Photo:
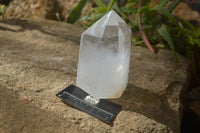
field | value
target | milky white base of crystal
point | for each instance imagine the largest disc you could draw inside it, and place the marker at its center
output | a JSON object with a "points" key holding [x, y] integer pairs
{"points": [[102, 72]]}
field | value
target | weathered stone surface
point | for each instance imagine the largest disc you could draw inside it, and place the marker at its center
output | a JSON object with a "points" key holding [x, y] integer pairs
{"points": [[185, 12], [42, 9], [156, 86], [33, 9], [39, 58], [18, 115]]}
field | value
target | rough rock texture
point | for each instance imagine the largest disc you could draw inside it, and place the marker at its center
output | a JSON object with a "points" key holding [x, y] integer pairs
{"points": [[33, 9], [39, 58], [48, 9], [185, 12], [18, 115]]}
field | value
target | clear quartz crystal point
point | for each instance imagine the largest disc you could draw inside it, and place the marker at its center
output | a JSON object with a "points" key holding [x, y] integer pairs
{"points": [[104, 57]]}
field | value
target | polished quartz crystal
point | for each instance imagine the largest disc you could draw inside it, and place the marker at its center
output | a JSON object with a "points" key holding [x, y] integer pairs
{"points": [[104, 57]]}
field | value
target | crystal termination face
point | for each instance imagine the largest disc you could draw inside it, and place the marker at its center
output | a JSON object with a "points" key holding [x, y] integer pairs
{"points": [[104, 57]]}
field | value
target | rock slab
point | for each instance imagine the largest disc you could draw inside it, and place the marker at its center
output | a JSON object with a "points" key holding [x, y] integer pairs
{"points": [[41, 9], [39, 58]]}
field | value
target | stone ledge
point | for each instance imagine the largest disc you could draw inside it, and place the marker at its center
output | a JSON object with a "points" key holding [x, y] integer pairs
{"points": [[38, 58]]}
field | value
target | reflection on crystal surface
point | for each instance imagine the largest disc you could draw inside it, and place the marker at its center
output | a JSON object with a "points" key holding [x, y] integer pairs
{"points": [[104, 57]]}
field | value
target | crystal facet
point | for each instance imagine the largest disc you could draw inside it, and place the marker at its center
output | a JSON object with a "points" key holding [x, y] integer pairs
{"points": [[104, 57]]}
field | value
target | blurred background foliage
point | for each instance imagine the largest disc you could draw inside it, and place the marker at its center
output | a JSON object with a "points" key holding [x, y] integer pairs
{"points": [[161, 28], [2, 7]]}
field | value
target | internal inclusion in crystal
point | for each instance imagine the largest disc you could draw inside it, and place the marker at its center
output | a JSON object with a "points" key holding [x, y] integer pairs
{"points": [[103, 65]]}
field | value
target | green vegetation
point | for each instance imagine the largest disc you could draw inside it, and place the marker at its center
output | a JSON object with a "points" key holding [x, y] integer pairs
{"points": [[2, 11], [77, 11], [158, 26]]}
